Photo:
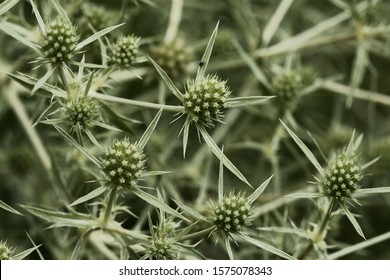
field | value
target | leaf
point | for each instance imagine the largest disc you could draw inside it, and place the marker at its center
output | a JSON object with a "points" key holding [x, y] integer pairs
{"points": [[89, 196], [89, 83], [92, 138], [186, 130], [61, 219], [352, 219], [106, 126], [43, 80], [218, 153], [304, 195], [155, 173], [35, 246], [373, 190], [149, 131], [206, 56], [304, 149], [167, 80], [60, 10], [246, 101], [265, 246], [22, 255], [220, 179], [299, 232], [96, 36], [253, 197], [80, 241], [191, 211], [38, 17], [158, 203], [77, 145], [7, 29], [8, 208], [229, 249], [7, 5]]}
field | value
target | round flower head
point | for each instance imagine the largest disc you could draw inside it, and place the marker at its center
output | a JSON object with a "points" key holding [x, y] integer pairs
{"points": [[341, 176], [59, 41], [163, 249], [5, 252], [95, 15], [287, 87], [232, 213], [123, 164], [81, 110], [205, 101], [125, 51], [173, 57]]}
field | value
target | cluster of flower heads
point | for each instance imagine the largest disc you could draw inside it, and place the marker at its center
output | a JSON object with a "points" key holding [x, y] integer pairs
{"points": [[59, 41], [232, 213], [123, 164], [204, 101], [125, 51], [342, 176]]}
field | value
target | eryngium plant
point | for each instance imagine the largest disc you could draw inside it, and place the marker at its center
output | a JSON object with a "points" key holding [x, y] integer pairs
{"points": [[195, 138]]}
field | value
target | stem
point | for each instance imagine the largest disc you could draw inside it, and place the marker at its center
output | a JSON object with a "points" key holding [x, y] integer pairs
{"points": [[171, 108], [110, 205], [174, 20], [319, 233]]}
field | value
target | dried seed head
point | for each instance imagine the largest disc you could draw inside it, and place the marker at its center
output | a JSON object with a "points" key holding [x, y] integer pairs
{"points": [[173, 57], [125, 51], [232, 213], [81, 110], [59, 42], [205, 101], [5, 252], [123, 164], [341, 176]]}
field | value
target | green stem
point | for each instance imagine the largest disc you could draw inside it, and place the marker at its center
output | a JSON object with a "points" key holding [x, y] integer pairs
{"points": [[319, 233], [110, 205]]}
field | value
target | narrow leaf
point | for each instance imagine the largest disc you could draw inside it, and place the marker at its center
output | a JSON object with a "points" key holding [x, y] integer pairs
{"points": [[77, 145], [265, 246], [206, 56], [38, 17], [43, 80], [186, 130], [60, 10], [191, 211], [89, 196], [22, 255], [229, 249], [299, 232], [218, 153], [106, 126], [246, 101], [253, 197], [7, 5], [92, 138], [352, 219], [158, 203], [373, 190], [304, 195], [6, 28], [304, 149], [220, 179], [8, 208], [149, 131], [155, 173], [35, 246], [89, 83], [96, 36], [167, 80]]}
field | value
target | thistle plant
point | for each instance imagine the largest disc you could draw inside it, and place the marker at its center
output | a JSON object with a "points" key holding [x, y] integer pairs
{"points": [[111, 143]]}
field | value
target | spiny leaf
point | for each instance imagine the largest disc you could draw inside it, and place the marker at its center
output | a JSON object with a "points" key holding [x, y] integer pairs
{"points": [[352, 219], [89, 196], [218, 153], [43, 80], [7, 5], [7, 29], [206, 56], [97, 35], [38, 17], [246, 101], [149, 131], [8, 208], [253, 197]]}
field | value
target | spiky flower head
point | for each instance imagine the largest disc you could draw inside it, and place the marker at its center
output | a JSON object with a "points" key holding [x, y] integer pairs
{"points": [[288, 86], [163, 249], [342, 175], [59, 41], [95, 15], [125, 51], [81, 110], [5, 252], [174, 57], [232, 213], [204, 101], [123, 164]]}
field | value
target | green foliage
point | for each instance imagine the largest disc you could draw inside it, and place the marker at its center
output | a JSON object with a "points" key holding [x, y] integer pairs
{"points": [[223, 130]]}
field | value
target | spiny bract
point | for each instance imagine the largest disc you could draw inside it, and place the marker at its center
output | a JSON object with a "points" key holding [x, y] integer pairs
{"points": [[204, 101], [59, 42], [232, 213], [163, 249], [123, 164], [125, 51], [342, 175], [5, 252]]}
